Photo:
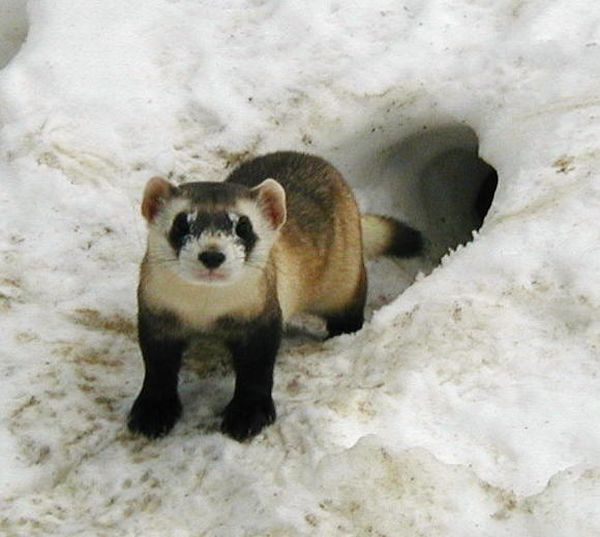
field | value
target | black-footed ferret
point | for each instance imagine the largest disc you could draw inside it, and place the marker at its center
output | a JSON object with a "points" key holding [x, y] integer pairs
{"points": [[233, 260]]}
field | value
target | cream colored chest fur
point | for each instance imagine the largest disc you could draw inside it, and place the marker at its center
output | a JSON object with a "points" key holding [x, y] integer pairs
{"points": [[200, 306]]}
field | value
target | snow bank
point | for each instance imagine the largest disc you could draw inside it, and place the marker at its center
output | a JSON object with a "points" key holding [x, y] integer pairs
{"points": [[468, 406]]}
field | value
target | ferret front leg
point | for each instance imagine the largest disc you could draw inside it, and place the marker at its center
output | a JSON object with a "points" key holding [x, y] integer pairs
{"points": [[157, 407], [252, 406]]}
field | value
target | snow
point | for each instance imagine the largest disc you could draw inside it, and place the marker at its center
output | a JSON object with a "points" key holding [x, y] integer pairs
{"points": [[467, 406]]}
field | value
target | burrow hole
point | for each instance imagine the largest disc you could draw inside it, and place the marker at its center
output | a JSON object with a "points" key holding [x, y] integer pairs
{"points": [[436, 180], [452, 187], [13, 28]]}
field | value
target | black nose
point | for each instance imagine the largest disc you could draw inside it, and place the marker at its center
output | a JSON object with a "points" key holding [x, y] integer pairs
{"points": [[211, 259]]}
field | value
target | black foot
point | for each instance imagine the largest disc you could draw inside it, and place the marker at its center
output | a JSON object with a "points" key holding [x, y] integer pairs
{"points": [[244, 419], [152, 417], [337, 326]]}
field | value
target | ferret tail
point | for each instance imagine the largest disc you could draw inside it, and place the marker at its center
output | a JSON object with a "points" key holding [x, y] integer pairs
{"points": [[383, 235]]}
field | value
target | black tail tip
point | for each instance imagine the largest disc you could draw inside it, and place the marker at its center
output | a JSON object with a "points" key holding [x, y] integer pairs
{"points": [[406, 242]]}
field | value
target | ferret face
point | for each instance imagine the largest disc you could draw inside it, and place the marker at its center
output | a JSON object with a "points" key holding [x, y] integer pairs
{"points": [[212, 233], [212, 246]]}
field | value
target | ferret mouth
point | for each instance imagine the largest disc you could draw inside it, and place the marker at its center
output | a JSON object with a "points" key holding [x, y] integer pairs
{"points": [[209, 276], [215, 276]]}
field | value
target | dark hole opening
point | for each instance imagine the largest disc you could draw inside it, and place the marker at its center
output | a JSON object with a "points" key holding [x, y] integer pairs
{"points": [[13, 29], [436, 181], [448, 187]]}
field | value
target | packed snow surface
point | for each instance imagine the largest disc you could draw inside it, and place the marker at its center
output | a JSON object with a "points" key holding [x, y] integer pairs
{"points": [[469, 405]]}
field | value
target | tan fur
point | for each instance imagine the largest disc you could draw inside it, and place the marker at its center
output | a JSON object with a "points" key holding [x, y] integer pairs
{"points": [[325, 278], [377, 233]]}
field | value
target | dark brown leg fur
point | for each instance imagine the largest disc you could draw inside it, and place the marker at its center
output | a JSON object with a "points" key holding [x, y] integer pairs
{"points": [[352, 317]]}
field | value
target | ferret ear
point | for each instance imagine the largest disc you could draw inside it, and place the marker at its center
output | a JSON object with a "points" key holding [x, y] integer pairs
{"points": [[271, 200], [157, 191]]}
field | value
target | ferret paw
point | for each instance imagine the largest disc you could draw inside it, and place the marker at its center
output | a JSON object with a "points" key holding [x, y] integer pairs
{"points": [[244, 419], [153, 418]]}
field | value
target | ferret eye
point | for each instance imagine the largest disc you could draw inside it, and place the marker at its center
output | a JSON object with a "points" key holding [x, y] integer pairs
{"points": [[181, 225], [243, 228]]}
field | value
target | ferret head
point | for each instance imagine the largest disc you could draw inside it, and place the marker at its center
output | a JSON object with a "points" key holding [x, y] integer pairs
{"points": [[212, 233]]}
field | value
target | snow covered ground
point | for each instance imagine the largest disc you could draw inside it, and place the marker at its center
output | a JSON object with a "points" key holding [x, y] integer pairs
{"points": [[468, 406]]}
